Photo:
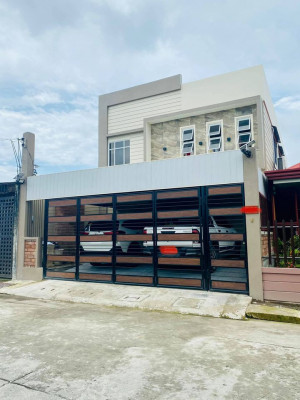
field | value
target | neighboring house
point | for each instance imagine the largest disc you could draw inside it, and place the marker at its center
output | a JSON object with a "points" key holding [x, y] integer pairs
{"points": [[178, 164]]}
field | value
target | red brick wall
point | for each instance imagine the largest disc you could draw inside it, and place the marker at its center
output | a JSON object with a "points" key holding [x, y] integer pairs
{"points": [[264, 244], [30, 257]]}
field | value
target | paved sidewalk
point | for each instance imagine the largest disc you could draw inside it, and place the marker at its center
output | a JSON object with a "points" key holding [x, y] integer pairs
{"points": [[181, 301]]}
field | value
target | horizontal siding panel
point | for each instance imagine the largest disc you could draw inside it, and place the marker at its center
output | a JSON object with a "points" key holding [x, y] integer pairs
{"points": [[282, 271], [281, 278], [146, 103], [127, 116], [282, 286], [269, 145], [291, 297]]}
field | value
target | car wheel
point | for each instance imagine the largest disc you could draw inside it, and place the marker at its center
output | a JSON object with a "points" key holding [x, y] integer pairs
{"points": [[134, 249]]}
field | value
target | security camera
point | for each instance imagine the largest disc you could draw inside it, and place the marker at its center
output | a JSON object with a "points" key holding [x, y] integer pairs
{"points": [[246, 148]]}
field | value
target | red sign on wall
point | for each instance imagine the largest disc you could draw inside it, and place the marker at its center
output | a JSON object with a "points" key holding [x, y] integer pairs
{"points": [[251, 210]]}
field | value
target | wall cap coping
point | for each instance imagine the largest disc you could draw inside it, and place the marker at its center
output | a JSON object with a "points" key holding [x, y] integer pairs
{"points": [[274, 270]]}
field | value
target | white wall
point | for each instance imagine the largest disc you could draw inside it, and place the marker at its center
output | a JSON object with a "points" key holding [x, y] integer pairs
{"points": [[232, 86], [202, 170]]}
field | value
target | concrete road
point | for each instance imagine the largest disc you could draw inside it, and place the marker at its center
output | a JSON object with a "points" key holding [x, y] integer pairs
{"points": [[55, 350]]}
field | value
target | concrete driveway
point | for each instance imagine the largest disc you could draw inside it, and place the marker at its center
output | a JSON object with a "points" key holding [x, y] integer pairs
{"points": [[56, 350]]}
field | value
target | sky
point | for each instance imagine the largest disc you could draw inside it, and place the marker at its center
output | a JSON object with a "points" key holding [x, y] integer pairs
{"points": [[58, 56]]}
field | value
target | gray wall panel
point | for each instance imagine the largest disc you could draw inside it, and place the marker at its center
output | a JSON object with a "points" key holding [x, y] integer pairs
{"points": [[209, 169]]}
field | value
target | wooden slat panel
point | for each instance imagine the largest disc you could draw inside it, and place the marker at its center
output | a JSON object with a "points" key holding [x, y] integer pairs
{"points": [[178, 236], [228, 285], [134, 260], [102, 259], [145, 215], [96, 238], [97, 200], [104, 217], [179, 282], [224, 190], [130, 238], [226, 236], [134, 197], [225, 211], [134, 279], [62, 219], [59, 203], [177, 194], [178, 261], [60, 258], [61, 238], [228, 263], [95, 277], [53, 274], [177, 214]]}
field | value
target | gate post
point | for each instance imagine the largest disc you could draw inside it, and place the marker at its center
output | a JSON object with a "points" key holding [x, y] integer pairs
{"points": [[27, 170], [254, 252]]}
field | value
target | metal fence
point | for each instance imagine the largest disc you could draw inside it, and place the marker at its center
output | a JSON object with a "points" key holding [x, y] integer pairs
{"points": [[281, 244]]}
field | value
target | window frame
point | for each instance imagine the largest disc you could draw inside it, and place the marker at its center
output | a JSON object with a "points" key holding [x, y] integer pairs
{"points": [[192, 141], [243, 132], [123, 147], [215, 136]]}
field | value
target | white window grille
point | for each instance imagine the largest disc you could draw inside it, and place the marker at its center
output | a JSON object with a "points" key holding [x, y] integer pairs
{"points": [[187, 140], [119, 152], [244, 130], [214, 137]]}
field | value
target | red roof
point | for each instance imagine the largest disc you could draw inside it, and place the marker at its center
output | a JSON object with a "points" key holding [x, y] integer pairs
{"points": [[280, 174], [296, 166]]}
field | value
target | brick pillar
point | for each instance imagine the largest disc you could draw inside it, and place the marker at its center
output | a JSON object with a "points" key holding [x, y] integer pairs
{"points": [[32, 258]]}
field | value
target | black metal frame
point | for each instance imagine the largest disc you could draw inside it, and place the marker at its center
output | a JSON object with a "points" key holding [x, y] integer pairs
{"points": [[204, 239], [9, 200]]}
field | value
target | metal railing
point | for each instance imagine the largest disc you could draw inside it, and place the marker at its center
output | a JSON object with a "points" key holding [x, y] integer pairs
{"points": [[283, 244]]}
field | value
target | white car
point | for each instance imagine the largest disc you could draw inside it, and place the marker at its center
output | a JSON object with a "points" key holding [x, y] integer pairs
{"points": [[96, 229], [189, 246]]}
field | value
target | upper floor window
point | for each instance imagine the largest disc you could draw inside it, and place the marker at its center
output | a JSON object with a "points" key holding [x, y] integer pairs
{"points": [[187, 140], [119, 152], [244, 130], [214, 131]]}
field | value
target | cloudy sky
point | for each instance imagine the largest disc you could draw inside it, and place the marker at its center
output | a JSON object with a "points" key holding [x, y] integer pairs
{"points": [[57, 56]]}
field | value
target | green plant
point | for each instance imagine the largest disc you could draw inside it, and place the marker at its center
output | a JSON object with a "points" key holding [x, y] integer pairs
{"points": [[278, 244]]}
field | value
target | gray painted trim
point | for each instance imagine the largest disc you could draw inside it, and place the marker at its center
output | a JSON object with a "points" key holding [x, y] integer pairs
{"points": [[247, 101], [155, 88], [125, 132]]}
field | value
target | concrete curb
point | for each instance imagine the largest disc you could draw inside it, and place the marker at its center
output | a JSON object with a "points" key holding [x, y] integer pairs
{"points": [[273, 313], [181, 301]]}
